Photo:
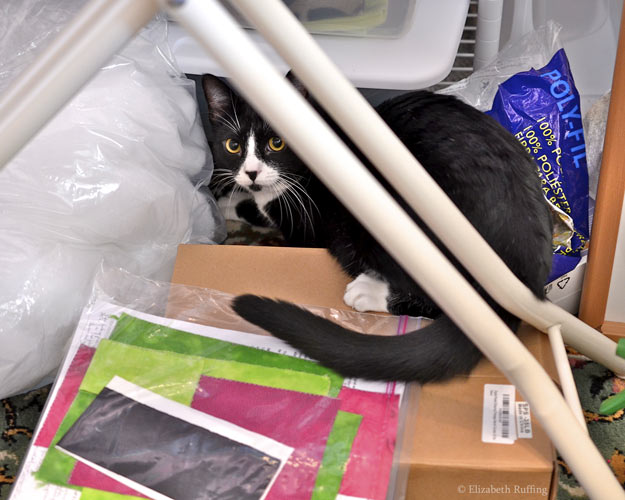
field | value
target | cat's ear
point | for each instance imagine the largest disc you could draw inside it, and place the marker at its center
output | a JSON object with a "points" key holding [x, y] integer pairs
{"points": [[218, 96], [290, 76]]}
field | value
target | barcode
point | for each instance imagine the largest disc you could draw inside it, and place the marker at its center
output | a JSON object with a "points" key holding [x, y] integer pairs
{"points": [[499, 415], [505, 416], [523, 420]]}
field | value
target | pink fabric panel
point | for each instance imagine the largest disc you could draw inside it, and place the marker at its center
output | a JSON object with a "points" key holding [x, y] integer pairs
{"points": [[65, 396], [300, 420], [369, 467]]}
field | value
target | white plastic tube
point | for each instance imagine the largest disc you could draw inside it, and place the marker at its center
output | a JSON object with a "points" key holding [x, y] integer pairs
{"points": [[569, 390], [360, 121], [488, 32], [312, 139], [522, 19], [99, 30]]}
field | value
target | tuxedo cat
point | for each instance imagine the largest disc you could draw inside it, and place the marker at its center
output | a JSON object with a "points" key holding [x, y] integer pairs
{"points": [[480, 166]]}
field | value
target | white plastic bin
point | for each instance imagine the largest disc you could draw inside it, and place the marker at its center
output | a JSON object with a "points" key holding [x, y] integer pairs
{"points": [[414, 48]]}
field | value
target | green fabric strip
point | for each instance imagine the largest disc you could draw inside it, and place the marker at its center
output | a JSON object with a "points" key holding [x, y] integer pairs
{"points": [[175, 376], [169, 374], [131, 330], [269, 377], [336, 455], [89, 494]]}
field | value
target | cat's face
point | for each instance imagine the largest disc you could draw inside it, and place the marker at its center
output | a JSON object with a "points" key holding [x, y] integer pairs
{"points": [[248, 154]]}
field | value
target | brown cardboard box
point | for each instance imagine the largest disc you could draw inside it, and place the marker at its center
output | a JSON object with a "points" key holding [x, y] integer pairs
{"points": [[443, 456]]}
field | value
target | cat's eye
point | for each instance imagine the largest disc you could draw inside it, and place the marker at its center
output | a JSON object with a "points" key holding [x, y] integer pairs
{"points": [[233, 146], [276, 144]]}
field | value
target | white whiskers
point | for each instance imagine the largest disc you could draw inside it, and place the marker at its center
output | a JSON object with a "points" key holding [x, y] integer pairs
{"points": [[286, 190], [234, 110], [229, 122], [222, 179], [295, 199]]}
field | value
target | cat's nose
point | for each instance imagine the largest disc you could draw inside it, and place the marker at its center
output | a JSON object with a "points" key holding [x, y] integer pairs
{"points": [[252, 174]]}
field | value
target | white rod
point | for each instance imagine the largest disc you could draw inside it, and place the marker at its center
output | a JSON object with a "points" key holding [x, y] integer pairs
{"points": [[488, 32], [99, 29], [522, 19], [314, 141], [360, 121], [565, 374]]}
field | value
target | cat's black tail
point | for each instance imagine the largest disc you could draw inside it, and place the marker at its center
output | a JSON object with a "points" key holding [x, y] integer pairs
{"points": [[436, 352]]}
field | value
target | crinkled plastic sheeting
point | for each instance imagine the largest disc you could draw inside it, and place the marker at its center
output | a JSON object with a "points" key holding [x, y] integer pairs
{"points": [[108, 180], [541, 107]]}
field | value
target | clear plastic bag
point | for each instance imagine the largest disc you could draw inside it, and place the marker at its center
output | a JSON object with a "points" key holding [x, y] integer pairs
{"points": [[372, 457], [212, 307], [110, 179], [533, 50]]}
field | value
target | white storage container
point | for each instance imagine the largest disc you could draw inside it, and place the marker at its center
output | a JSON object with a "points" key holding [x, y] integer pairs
{"points": [[413, 45], [369, 18]]}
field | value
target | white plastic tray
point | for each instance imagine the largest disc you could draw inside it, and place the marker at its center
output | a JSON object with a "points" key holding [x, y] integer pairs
{"points": [[421, 57]]}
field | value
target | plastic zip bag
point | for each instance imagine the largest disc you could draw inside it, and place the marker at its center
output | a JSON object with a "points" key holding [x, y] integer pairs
{"points": [[151, 339]]}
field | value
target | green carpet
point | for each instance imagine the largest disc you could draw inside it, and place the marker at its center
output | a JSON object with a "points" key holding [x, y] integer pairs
{"points": [[594, 384], [18, 418]]}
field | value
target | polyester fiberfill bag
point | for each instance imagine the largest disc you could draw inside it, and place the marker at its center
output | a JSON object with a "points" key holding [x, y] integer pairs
{"points": [[530, 90]]}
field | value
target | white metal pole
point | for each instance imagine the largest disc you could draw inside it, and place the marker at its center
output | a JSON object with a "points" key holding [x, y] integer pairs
{"points": [[360, 121], [99, 29], [311, 138]]}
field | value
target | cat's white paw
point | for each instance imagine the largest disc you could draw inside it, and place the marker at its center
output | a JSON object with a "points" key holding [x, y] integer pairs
{"points": [[228, 205], [367, 293]]}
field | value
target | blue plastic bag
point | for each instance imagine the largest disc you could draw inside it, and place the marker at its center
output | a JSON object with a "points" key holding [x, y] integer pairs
{"points": [[542, 109]]}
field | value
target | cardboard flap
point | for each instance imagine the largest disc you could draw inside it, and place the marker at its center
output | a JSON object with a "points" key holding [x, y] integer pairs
{"points": [[301, 275]]}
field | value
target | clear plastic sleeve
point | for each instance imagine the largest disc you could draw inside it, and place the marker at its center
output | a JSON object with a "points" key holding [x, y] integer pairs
{"points": [[378, 470], [212, 307], [345, 434]]}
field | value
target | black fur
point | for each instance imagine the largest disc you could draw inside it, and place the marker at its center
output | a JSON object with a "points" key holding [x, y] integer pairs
{"points": [[426, 355], [485, 172]]}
